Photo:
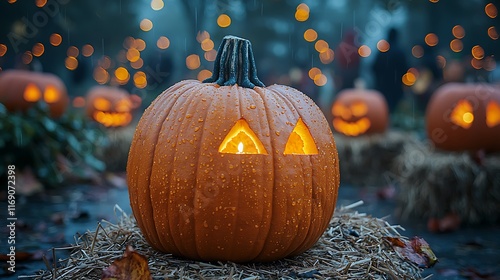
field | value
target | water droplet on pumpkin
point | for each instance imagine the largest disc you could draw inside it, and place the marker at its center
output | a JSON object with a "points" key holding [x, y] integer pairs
{"points": [[188, 116], [216, 227], [200, 120], [252, 106], [205, 224], [196, 128], [277, 133]]}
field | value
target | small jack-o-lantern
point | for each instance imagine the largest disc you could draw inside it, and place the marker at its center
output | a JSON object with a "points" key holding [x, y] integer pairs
{"points": [[109, 106], [229, 169], [20, 90], [359, 112], [463, 117]]}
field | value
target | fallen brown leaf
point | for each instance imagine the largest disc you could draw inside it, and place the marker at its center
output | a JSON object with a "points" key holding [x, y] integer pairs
{"points": [[416, 250], [132, 266]]}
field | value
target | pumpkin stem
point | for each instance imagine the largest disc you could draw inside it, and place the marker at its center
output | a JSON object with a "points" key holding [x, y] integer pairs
{"points": [[235, 64]]}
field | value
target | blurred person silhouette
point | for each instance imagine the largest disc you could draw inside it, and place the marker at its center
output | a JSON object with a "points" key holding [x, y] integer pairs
{"points": [[388, 69], [430, 77], [347, 61]]}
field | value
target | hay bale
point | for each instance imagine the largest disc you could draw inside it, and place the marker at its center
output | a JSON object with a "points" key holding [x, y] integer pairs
{"points": [[436, 183], [369, 160], [352, 247]]}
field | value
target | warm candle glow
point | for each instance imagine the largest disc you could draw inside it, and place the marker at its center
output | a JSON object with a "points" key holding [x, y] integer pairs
{"points": [[240, 148]]}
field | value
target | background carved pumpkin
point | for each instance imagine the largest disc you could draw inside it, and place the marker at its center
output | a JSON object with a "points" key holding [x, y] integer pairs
{"points": [[20, 90], [109, 106], [229, 169], [359, 112], [464, 117]]}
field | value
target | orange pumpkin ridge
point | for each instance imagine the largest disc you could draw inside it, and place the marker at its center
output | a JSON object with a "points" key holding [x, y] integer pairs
{"points": [[194, 200]]}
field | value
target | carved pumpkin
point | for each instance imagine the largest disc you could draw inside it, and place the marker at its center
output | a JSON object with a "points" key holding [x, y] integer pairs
{"points": [[20, 90], [229, 169], [109, 106], [359, 112], [463, 117]]}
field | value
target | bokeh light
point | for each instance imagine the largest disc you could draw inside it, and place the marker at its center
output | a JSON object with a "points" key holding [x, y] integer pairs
{"points": [[101, 76], [122, 75], [146, 25], [137, 64], [327, 56], [310, 35], [3, 49], [364, 51], [87, 50], [409, 79], [458, 31], [320, 80], [72, 51], [223, 20], [204, 74], [456, 45], [313, 72], [383, 45], [302, 12], [71, 63], [157, 5], [55, 39], [431, 39], [27, 57], [491, 10], [193, 61], [477, 52], [133, 55], [163, 43], [202, 36], [210, 55], [417, 51], [207, 44], [139, 44], [321, 46], [38, 49], [40, 3], [492, 32], [140, 80]]}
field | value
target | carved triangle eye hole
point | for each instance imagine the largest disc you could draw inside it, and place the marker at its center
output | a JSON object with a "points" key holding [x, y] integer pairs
{"points": [[462, 114], [492, 114], [242, 140], [300, 141]]}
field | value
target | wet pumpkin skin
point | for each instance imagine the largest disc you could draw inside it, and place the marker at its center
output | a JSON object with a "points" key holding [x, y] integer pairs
{"points": [[191, 200], [13, 84]]}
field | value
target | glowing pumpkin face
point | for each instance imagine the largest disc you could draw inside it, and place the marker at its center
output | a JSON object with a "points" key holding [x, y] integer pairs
{"points": [[229, 169], [20, 90], [464, 117], [109, 106], [360, 112]]}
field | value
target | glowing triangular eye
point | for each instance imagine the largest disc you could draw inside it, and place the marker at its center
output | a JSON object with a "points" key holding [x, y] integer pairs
{"points": [[492, 114], [242, 140], [462, 114], [300, 141]]}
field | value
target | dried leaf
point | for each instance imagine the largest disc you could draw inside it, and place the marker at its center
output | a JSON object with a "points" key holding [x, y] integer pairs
{"points": [[416, 250], [132, 266]]}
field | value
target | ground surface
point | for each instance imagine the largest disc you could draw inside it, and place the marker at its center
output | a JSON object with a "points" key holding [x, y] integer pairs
{"points": [[52, 220]]}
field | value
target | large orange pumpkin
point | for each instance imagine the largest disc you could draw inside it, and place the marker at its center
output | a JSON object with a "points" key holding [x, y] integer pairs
{"points": [[110, 106], [359, 112], [21, 89], [463, 117], [229, 169]]}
